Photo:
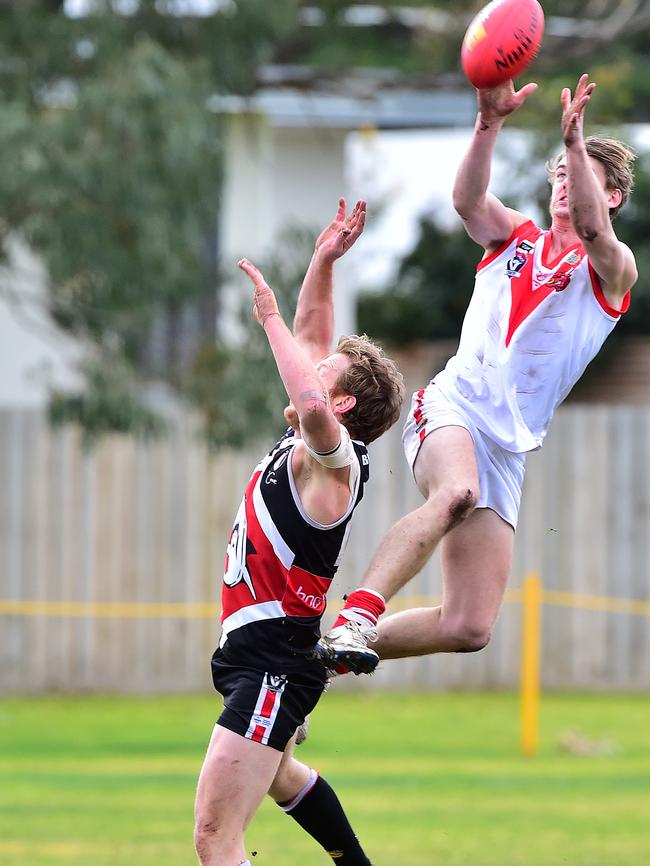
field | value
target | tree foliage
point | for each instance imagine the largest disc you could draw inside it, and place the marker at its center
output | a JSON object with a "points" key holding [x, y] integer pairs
{"points": [[111, 171], [237, 388], [428, 299]]}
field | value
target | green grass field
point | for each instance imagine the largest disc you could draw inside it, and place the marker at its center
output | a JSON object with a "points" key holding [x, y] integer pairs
{"points": [[427, 779]]}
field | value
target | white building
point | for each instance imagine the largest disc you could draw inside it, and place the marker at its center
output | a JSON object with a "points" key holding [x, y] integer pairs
{"points": [[35, 355], [286, 159], [285, 166]]}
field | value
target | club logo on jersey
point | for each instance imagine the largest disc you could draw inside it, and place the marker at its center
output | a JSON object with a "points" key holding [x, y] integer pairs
{"points": [[239, 548], [275, 682], [516, 264], [559, 282], [275, 464]]}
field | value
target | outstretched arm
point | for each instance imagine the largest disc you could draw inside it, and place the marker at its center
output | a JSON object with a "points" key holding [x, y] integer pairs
{"points": [[313, 324], [301, 379], [487, 220], [589, 203]]}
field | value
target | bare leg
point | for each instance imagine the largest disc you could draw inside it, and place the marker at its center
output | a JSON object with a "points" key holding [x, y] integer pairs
{"points": [[476, 555], [446, 474], [476, 558], [291, 776], [235, 776]]}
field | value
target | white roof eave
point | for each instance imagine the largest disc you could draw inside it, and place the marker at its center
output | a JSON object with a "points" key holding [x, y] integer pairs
{"points": [[285, 107]]}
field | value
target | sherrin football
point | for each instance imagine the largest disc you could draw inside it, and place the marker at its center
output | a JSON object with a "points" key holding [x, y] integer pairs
{"points": [[501, 41]]}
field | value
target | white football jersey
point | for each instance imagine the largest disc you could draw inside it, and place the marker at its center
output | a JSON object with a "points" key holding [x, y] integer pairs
{"points": [[532, 326]]}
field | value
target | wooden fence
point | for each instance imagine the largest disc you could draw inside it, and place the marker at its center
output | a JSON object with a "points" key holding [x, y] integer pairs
{"points": [[111, 560]]}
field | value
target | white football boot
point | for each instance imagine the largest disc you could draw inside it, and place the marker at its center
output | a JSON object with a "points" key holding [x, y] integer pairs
{"points": [[345, 649]]}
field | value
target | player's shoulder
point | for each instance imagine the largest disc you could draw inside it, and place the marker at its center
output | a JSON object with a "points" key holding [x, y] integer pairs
{"points": [[618, 271], [518, 225], [630, 269]]}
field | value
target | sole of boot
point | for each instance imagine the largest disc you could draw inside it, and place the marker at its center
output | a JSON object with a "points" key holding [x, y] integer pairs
{"points": [[357, 662]]}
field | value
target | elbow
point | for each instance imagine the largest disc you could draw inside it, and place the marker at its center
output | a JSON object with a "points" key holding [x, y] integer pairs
{"points": [[313, 412], [316, 425], [465, 206], [461, 205], [588, 225], [588, 231]]}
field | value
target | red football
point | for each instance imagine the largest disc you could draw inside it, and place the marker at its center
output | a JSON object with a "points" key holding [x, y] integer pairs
{"points": [[501, 41]]}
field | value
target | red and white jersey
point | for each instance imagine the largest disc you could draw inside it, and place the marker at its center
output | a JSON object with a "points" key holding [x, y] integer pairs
{"points": [[280, 564], [532, 326]]}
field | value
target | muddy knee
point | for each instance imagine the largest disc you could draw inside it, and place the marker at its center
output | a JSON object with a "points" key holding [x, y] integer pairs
{"points": [[457, 501], [206, 836], [214, 833]]}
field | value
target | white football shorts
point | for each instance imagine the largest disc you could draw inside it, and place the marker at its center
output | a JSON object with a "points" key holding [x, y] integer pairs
{"points": [[500, 472]]}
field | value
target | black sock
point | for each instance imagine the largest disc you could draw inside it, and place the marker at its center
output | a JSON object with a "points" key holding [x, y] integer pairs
{"points": [[320, 813]]}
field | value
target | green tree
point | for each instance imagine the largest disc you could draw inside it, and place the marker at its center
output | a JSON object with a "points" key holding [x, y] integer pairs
{"points": [[111, 171], [429, 296]]}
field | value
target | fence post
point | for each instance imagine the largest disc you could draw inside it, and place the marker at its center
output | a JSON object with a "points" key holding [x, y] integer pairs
{"points": [[530, 663]]}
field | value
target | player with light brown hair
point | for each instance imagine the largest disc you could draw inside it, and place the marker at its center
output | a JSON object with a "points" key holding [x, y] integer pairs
{"points": [[615, 157], [284, 549], [544, 303]]}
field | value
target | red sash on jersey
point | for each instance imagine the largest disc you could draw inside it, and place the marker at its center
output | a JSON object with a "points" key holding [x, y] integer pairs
{"points": [[526, 298]]}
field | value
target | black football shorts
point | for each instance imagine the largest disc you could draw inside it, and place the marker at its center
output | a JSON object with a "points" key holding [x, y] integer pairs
{"points": [[260, 706]]}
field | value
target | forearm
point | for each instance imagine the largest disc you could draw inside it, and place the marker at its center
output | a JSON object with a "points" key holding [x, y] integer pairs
{"points": [[301, 380], [473, 176], [314, 319], [587, 201]]}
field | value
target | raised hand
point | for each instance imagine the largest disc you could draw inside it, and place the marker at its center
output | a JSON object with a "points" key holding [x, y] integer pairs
{"points": [[264, 302], [498, 102], [337, 238], [573, 109]]}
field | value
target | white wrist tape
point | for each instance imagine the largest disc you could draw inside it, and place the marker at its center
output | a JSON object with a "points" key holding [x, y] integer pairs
{"points": [[339, 457]]}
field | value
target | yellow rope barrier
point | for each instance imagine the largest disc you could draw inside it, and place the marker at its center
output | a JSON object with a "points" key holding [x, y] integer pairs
{"points": [[596, 602], [109, 609], [208, 610], [530, 595]]}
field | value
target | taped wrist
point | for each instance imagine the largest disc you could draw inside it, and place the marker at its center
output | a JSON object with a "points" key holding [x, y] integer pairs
{"points": [[338, 458]]}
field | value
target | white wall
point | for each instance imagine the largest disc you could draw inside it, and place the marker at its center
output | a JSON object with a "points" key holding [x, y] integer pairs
{"points": [[34, 354], [277, 178]]}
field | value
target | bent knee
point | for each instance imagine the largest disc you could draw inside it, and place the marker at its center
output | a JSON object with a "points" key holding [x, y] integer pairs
{"points": [[468, 637], [457, 501], [473, 643]]}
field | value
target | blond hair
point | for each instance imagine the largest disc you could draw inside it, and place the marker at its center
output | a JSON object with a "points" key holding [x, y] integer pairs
{"points": [[377, 384], [615, 157]]}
